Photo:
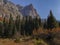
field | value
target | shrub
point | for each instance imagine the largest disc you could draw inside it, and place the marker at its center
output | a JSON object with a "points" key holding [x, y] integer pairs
{"points": [[39, 42], [17, 40]]}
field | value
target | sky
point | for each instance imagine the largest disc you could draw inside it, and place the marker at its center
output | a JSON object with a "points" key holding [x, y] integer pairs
{"points": [[42, 6]]}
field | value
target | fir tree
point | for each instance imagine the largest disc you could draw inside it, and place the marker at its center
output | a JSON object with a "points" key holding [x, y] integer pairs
{"points": [[10, 26], [18, 23], [51, 21]]}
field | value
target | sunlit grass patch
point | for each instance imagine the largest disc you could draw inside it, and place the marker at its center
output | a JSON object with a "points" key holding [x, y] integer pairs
{"points": [[39, 42]]}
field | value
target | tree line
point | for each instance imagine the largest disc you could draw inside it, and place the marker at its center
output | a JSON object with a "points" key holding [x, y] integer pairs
{"points": [[25, 26]]}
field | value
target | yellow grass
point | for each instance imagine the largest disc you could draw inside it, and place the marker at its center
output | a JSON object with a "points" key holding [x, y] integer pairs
{"points": [[45, 31], [11, 42]]}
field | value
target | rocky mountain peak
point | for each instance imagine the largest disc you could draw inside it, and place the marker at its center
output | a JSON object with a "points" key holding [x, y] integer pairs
{"points": [[30, 6], [29, 10]]}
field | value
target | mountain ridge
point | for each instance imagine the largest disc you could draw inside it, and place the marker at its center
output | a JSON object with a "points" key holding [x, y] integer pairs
{"points": [[7, 7]]}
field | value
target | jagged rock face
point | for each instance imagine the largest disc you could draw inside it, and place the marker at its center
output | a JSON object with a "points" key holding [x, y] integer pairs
{"points": [[8, 8], [1, 2], [29, 11]]}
